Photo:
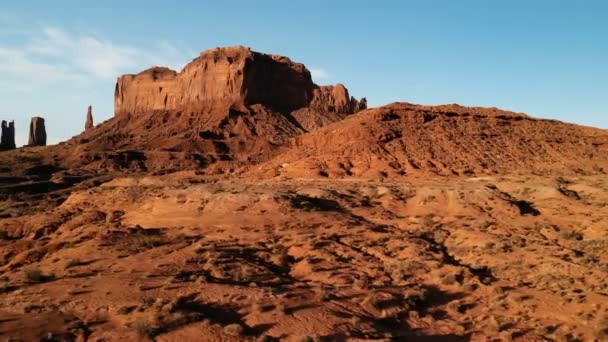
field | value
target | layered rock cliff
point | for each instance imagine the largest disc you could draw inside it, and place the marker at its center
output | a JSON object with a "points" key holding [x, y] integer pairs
{"points": [[233, 75]]}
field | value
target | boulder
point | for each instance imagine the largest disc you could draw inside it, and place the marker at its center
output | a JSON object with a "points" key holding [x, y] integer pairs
{"points": [[7, 139], [37, 132], [89, 122]]}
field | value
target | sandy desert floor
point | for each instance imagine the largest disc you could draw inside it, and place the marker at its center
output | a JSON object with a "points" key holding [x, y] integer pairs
{"points": [[183, 257]]}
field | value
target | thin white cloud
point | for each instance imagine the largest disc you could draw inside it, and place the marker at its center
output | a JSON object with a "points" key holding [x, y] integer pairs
{"points": [[319, 74], [18, 64], [55, 55]]}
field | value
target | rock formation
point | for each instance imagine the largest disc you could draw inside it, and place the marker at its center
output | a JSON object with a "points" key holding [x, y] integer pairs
{"points": [[228, 104], [336, 99], [359, 105], [7, 140], [89, 122], [37, 132], [233, 75]]}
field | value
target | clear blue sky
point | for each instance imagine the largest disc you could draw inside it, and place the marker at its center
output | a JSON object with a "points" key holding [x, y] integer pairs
{"points": [[545, 58]]}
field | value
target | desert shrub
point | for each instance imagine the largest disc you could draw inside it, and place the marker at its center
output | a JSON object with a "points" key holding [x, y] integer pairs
{"points": [[323, 295], [400, 270], [448, 278], [143, 328], [234, 329], [280, 307], [260, 307], [125, 310], [34, 275], [265, 338], [415, 297], [571, 235], [150, 241]]}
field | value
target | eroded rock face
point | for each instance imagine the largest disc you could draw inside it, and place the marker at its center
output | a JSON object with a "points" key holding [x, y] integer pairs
{"points": [[89, 122], [7, 140], [336, 99], [232, 75], [37, 132]]}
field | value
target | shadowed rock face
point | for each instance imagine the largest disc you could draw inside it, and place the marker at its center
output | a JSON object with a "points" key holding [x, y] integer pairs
{"points": [[89, 122], [37, 132], [233, 75], [7, 142]]}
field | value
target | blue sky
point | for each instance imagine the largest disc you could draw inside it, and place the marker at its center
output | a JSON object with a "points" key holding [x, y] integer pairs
{"points": [[545, 58]]}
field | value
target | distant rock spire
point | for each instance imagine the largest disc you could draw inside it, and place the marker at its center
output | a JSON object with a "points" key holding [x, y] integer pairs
{"points": [[37, 132], [7, 139], [89, 122]]}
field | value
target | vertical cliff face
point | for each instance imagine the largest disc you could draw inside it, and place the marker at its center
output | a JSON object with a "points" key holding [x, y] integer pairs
{"points": [[229, 76], [37, 132], [277, 82], [7, 139], [150, 90]]}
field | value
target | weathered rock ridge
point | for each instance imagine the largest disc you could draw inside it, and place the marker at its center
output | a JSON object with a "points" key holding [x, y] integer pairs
{"points": [[232, 75], [37, 132], [7, 140]]}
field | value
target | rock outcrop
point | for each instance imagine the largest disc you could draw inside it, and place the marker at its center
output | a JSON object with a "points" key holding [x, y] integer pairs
{"points": [[233, 75], [37, 132], [336, 99], [89, 121], [7, 139]]}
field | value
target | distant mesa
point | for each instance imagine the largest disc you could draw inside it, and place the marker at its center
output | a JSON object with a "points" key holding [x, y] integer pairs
{"points": [[7, 139], [229, 104], [234, 75], [89, 120], [37, 132]]}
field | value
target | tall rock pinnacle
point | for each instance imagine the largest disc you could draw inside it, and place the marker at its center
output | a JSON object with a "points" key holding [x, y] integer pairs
{"points": [[37, 132], [89, 123], [7, 140]]}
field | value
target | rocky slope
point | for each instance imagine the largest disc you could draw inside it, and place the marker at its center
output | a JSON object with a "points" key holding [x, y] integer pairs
{"points": [[183, 257], [403, 139]]}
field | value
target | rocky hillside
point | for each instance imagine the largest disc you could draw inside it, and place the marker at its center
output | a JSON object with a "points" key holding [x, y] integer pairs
{"points": [[403, 139]]}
